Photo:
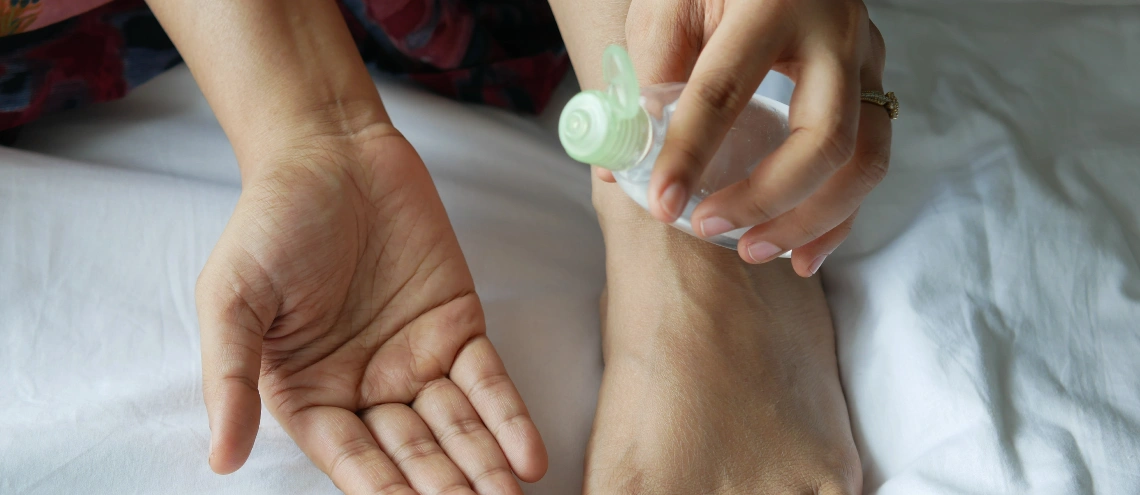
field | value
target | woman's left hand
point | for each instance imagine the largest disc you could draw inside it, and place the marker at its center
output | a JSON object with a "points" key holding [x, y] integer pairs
{"points": [[804, 196]]}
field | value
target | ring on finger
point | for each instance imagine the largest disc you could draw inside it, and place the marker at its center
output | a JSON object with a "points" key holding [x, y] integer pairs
{"points": [[887, 101]]}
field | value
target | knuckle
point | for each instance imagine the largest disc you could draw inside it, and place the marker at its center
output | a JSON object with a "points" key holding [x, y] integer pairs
{"points": [[217, 292], [849, 28], [417, 448], [757, 209], [515, 419], [355, 450], [809, 229], [236, 351], [242, 380], [878, 44], [202, 284], [460, 428], [875, 59], [684, 160], [439, 385], [837, 479], [380, 411], [873, 167], [836, 474], [489, 385], [842, 231], [393, 488], [722, 93], [492, 471], [837, 146], [454, 489]]}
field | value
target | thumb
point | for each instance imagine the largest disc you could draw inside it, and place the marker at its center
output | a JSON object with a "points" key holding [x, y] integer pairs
{"points": [[236, 305], [664, 42], [725, 71]]}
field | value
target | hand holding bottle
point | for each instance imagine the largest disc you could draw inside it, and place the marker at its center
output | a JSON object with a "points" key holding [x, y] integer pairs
{"points": [[804, 196]]}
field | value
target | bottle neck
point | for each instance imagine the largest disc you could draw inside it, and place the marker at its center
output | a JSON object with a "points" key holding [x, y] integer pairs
{"points": [[631, 141]]}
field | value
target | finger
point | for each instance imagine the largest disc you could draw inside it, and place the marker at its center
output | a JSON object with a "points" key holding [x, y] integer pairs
{"points": [[832, 203], [823, 121], [405, 439], [664, 40], [807, 260], [480, 374], [466, 440], [727, 73], [231, 332], [339, 443]]}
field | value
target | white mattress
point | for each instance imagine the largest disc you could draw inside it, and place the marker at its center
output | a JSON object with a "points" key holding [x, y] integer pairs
{"points": [[987, 304]]}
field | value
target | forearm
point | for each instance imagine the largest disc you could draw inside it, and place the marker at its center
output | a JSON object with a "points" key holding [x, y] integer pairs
{"points": [[273, 70], [588, 27]]}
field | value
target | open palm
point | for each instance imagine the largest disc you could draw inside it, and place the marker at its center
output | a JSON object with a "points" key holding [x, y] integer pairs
{"points": [[339, 292]]}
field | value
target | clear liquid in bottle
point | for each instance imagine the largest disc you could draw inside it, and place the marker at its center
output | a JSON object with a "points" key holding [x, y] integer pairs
{"points": [[622, 129], [760, 128]]}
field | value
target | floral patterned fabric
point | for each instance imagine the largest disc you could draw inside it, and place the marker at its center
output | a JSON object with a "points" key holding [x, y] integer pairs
{"points": [[61, 54]]}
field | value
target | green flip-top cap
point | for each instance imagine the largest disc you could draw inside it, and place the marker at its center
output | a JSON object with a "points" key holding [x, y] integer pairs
{"points": [[608, 129]]}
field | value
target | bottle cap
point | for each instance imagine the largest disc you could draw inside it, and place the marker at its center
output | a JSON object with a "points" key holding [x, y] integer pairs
{"points": [[607, 128]]}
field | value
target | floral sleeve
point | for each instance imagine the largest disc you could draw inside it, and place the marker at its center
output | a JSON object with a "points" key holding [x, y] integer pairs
{"points": [[20, 16], [62, 54]]}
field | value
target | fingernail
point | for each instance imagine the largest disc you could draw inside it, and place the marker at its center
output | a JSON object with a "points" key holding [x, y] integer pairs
{"points": [[714, 226], [673, 200], [761, 251], [816, 262]]}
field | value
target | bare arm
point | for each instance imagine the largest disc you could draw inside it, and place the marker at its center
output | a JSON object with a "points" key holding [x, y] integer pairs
{"points": [[588, 27], [273, 71], [314, 299]]}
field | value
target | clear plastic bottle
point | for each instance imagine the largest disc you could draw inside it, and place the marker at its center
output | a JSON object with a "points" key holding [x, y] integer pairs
{"points": [[622, 129]]}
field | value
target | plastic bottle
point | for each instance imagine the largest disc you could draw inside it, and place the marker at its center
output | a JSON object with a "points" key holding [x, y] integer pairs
{"points": [[622, 129]]}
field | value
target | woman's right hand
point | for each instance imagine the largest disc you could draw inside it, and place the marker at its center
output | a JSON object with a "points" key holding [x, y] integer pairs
{"points": [[805, 195]]}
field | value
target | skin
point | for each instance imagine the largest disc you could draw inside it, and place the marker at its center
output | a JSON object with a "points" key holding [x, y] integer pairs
{"points": [[721, 375], [805, 195], [338, 296]]}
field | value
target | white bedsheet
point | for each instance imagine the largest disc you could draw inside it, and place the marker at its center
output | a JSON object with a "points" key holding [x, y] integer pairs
{"points": [[987, 304], [99, 353]]}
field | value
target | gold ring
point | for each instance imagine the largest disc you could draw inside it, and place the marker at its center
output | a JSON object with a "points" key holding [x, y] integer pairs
{"points": [[887, 101]]}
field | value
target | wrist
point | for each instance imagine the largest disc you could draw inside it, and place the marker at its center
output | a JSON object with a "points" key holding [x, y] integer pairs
{"points": [[319, 128], [344, 148], [277, 74]]}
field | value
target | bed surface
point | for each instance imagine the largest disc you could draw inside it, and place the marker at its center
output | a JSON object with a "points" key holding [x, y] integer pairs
{"points": [[987, 304]]}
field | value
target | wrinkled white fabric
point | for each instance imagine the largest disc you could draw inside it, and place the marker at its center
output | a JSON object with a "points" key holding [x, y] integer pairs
{"points": [[987, 304], [99, 353]]}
